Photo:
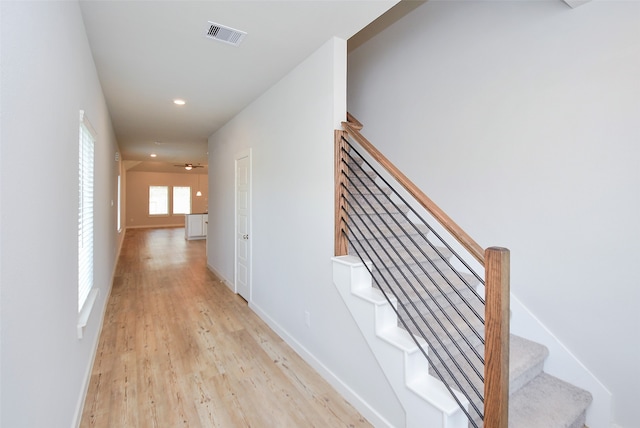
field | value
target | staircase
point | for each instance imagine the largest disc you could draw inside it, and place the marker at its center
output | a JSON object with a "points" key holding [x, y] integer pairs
{"points": [[430, 363], [537, 400]]}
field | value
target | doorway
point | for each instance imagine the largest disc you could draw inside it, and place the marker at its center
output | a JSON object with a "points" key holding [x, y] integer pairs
{"points": [[243, 225]]}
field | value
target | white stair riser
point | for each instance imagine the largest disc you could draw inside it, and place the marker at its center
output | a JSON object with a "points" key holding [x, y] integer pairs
{"points": [[426, 401]]}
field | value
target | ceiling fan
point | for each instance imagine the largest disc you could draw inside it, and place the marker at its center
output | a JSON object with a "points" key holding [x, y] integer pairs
{"points": [[189, 166]]}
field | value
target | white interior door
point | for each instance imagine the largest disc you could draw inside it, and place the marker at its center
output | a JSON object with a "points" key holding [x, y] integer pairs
{"points": [[243, 238]]}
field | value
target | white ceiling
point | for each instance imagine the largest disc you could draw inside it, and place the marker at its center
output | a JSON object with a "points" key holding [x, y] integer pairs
{"points": [[148, 53]]}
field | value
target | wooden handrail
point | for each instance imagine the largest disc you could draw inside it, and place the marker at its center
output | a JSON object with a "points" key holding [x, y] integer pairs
{"points": [[355, 123], [456, 231], [496, 348]]}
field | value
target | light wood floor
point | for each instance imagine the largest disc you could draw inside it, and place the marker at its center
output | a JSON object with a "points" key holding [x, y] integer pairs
{"points": [[179, 349]]}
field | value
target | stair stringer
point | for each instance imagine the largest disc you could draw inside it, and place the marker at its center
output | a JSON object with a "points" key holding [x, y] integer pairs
{"points": [[425, 399]]}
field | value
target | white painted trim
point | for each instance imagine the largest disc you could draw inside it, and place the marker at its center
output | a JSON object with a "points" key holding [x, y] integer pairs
{"points": [[87, 375], [375, 418], [85, 312], [84, 120], [77, 417], [155, 226]]}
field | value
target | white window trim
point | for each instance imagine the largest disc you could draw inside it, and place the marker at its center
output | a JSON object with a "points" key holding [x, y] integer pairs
{"points": [[87, 292], [119, 202], [83, 316]]}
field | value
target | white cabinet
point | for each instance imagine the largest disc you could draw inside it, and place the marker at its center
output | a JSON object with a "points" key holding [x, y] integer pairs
{"points": [[195, 226]]}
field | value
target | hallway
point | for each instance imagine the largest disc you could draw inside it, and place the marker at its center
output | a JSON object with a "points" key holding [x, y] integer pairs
{"points": [[178, 348]]}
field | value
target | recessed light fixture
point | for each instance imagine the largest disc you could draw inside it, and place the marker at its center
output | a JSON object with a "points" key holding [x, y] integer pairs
{"points": [[153, 155], [179, 102]]}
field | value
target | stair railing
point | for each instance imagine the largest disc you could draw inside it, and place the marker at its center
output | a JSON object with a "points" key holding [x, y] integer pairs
{"points": [[379, 225]]}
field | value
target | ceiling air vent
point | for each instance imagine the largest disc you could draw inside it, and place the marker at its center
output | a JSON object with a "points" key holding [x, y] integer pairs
{"points": [[224, 34]]}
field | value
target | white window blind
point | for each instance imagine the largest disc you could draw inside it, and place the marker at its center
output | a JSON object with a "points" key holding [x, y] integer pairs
{"points": [[158, 200], [181, 200], [85, 210]]}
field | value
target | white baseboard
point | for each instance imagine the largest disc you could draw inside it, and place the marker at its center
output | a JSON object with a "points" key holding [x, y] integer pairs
{"points": [[563, 364], [224, 280], [375, 418], [77, 417], [154, 226]]}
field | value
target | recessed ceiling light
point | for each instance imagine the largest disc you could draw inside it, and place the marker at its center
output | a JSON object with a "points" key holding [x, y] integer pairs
{"points": [[153, 155], [179, 102]]}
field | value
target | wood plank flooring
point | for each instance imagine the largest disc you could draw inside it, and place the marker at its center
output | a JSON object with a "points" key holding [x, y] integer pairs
{"points": [[179, 349]]}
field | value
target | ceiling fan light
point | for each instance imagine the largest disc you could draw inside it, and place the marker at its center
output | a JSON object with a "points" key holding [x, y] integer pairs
{"points": [[188, 167]]}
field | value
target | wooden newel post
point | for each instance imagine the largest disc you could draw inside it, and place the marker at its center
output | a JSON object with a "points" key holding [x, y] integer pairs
{"points": [[496, 370], [340, 169]]}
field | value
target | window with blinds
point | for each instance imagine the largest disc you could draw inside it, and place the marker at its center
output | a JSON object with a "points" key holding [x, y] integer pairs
{"points": [[119, 211], [85, 210]]}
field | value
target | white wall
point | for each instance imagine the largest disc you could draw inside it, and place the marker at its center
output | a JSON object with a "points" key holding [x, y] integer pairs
{"points": [[289, 130], [520, 119], [48, 75]]}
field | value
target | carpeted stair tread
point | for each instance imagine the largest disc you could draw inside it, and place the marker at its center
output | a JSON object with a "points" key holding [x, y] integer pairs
{"points": [[365, 220], [526, 359], [413, 240], [392, 261], [548, 402], [360, 172], [393, 257], [390, 231], [457, 339], [448, 281], [372, 206], [361, 191], [444, 294]]}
